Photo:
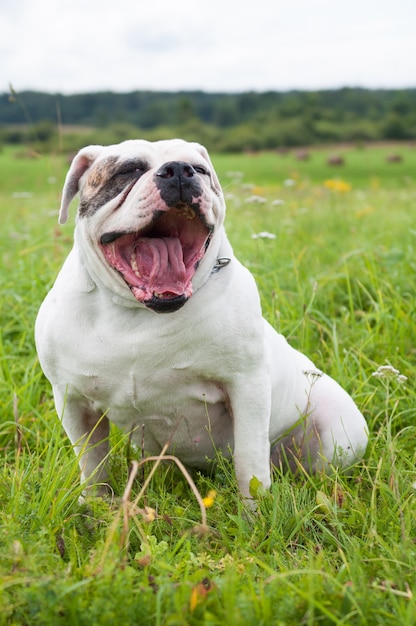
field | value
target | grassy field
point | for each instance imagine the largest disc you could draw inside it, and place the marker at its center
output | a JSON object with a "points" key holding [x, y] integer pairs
{"points": [[336, 272]]}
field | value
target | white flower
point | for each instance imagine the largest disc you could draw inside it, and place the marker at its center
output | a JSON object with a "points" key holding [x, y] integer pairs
{"points": [[231, 197], [235, 174], [388, 372], [289, 182], [263, 235], [312, 375], [256, 200], [277, 202], [22, 194]]}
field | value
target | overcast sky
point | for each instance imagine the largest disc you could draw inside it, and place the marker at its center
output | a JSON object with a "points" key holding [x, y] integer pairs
{"points": [[75, 46]]}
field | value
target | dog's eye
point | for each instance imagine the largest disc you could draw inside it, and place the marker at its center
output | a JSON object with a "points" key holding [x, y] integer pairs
{"points": [[199, 169], [131, 168], [131, 171]]}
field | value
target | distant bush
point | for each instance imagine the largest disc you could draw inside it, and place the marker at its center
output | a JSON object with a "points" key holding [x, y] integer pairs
{"points": [[224, 122]]}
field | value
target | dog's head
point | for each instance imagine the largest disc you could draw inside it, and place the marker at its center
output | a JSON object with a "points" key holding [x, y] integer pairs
{"points": [[147, 216]]}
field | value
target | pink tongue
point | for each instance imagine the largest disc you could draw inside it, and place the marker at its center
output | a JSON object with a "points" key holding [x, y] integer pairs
{"points": [[162, 260]]}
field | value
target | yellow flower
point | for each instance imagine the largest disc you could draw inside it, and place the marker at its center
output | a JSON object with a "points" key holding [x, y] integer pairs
{"points": [[337, 185], [257, 190], [209, 499], [364, 211], [149, 514], [200, 592]]}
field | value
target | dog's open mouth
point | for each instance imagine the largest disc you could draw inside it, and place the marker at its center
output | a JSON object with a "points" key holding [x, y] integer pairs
{"points": [[159, 262]]}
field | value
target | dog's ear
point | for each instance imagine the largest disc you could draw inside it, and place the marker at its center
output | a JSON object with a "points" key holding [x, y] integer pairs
{"points": [[82, 161], [204, 152]]}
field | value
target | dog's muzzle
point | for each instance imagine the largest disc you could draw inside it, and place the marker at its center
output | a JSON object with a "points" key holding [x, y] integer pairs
{"points": [[177, 182], [159, 261]]}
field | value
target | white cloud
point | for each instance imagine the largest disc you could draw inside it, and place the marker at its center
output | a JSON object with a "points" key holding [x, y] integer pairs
{"points": [[88, 45]]}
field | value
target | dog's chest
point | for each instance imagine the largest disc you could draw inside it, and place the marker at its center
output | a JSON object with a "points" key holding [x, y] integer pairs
{"points": [[161, 383], [137, 371], [169, 405]]}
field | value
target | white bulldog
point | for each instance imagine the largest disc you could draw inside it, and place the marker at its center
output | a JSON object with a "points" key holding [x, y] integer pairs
{"points": [[153, 324]]}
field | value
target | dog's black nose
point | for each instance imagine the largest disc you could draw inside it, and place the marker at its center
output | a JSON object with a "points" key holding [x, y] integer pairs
{"points": [[178, 183], [176, 169]]}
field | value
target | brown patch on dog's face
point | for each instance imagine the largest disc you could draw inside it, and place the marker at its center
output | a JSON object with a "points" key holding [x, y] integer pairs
{"points": [[106, 180]]}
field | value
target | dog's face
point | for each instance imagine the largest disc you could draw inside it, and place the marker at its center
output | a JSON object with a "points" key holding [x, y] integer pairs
{"points": [[150, 212]]}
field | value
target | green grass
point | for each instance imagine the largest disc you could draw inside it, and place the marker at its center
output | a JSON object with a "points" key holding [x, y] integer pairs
{"points": [[338, 280], [363, 166]]}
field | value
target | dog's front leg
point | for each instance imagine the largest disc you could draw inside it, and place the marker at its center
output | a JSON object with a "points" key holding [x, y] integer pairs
{"points": [[250, 405], [88, 432]]}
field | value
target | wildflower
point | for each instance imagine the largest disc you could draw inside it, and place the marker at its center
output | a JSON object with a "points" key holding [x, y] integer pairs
{"points": [[277, 202], [231, 197], [388, 372], [21, 194], [289, 182], [263, 235], [149, 514], [255, 200], [312, 375], [364, 211], [337, 185], [199, 593], [209, 499]]}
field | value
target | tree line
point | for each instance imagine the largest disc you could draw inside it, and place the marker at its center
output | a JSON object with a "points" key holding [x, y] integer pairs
{"points": [[223, 121]]}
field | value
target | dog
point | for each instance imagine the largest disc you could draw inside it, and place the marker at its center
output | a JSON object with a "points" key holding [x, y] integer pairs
{"points": [[154, 324]]}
